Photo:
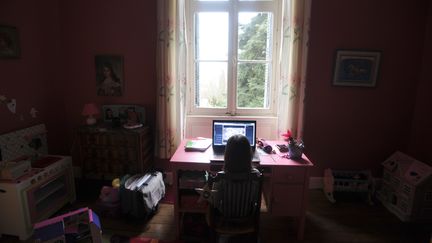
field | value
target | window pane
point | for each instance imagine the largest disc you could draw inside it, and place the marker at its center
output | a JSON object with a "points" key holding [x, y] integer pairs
{"points": [[254, 55], [211, 36], [253, 85], [211, 85], [254, 36]]}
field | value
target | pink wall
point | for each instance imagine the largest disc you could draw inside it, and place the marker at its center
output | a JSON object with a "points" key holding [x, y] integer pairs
{"points": [[90, 28], [345, 127], [31, 79], [357, 128], [56, 71], [421, 134]]}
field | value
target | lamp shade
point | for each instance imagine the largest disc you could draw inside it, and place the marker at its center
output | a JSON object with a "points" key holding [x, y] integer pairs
{"points": [[90, 109]]}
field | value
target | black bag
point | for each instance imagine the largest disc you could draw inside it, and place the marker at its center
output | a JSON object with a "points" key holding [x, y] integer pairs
{"points": [[140, 194]]}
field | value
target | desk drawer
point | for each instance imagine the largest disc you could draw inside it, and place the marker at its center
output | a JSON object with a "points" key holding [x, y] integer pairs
{"points": [[289, 174], [287, 200], [265, 169]]}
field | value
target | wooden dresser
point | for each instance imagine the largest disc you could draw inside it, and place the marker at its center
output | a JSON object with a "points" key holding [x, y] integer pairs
{"points": [[111, 153]]}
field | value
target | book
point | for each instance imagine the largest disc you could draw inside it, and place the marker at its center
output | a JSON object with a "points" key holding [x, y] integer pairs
{"points": [[201, 144], [132, 126]]}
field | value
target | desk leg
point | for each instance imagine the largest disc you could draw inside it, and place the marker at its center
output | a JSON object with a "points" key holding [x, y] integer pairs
{"points": [[176, 204], [302, 218]]}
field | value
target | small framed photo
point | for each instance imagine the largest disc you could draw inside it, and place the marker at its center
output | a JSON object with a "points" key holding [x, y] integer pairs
{"points": [[356, 68], [121, 113], [9, 42], [109, 75]]}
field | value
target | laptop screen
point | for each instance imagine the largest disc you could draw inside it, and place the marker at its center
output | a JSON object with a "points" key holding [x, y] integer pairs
{"points": [[224, 129]]}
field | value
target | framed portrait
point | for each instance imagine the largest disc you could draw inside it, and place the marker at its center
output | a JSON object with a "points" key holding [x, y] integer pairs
{"points": [[9, 42], [119, 113], [109, 75], [356, 68]]}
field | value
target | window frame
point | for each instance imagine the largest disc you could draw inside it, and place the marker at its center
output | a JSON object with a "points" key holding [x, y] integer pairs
{"points": [[233, 7]]}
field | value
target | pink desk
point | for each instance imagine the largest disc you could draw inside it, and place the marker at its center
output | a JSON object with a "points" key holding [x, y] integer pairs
{"points": [[285, 188]]}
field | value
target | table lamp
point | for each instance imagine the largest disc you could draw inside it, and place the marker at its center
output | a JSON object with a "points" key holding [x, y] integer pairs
{"points": [[90, 110]]}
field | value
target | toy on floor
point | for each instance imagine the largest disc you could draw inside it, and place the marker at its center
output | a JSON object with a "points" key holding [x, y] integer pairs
{"points": [[109, 200], [328, 185], [70, 227], [110, 194], [347, 181], [406, 189]]}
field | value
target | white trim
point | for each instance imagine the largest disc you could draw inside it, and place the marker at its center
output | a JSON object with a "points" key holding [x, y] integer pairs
{"points": [[318, 182], [201, 126]]}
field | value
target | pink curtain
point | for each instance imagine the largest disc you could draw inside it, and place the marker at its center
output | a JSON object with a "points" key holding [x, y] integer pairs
{"points": [[292, 66], [171, 76]]}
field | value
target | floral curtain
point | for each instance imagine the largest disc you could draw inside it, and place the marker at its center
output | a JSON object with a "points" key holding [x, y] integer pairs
{"points": [[292, 65], [171, 76]]}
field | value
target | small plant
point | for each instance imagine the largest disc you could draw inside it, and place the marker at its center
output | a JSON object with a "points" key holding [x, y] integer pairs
{"points": [[295, 147]]}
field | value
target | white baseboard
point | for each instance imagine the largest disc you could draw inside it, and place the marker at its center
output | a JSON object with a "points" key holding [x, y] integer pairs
{"points": [[317, 182]]}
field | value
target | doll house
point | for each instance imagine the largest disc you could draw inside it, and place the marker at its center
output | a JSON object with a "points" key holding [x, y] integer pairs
{"points": [[407, 188]]}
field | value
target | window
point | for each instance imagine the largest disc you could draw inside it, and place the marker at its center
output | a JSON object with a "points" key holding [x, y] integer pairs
{"points": [[232, 65]]}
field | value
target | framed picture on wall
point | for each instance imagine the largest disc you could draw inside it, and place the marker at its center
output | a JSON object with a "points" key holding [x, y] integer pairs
{"points": [[356, 68], [9, 42], [109, 75]]}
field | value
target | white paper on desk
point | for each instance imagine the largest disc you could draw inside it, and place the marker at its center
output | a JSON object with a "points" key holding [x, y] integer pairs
{"points": [[261, 152]]}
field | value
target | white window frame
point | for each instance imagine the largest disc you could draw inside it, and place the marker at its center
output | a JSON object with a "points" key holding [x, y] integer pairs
{"points": [[193, 6]]}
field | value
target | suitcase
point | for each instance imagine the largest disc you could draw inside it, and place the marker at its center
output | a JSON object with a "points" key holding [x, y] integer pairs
{"points": [[140, 194]]}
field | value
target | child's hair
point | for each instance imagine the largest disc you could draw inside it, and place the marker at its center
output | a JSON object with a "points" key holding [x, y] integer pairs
{"points": [[238, 154]]}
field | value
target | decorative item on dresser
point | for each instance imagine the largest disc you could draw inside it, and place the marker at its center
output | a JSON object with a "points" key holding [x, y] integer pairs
{"points": [[107, 153], [90, 110]]}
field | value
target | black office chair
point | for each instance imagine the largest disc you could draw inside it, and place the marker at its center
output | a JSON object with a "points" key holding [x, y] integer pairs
{"points": [[235, 209]]}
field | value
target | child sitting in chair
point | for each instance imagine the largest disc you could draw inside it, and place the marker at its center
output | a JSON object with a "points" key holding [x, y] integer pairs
{"points": [[235, 195], [238, 155], [237, 159]]}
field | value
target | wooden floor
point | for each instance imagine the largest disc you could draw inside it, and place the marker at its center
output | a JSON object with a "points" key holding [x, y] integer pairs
{"points": [[345, 221]]}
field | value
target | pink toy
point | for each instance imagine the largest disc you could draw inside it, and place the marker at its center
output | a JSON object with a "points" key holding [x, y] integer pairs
{"points": [[109, 194]]}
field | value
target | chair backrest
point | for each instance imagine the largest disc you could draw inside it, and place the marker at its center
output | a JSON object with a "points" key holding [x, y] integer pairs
{"points": [[238, 194]]}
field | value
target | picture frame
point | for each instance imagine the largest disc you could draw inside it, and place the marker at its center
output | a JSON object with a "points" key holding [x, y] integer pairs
{"points": [[109, 75], [356, 68], [9, 42], [117, 115]]}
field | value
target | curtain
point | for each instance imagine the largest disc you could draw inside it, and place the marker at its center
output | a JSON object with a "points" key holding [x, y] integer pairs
{"points": [[171, 76], [292, 65]]}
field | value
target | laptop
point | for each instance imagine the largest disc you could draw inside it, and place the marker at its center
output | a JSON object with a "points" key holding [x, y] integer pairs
{"points": [[224, 129]]}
